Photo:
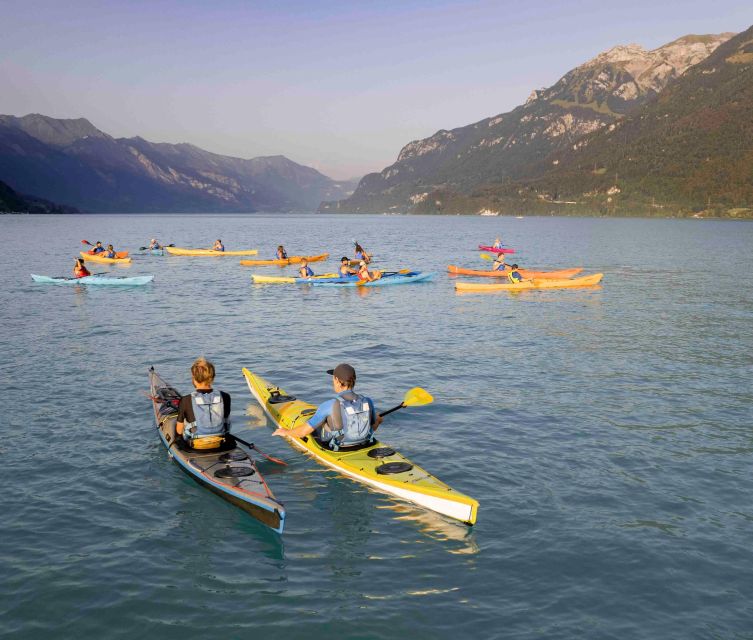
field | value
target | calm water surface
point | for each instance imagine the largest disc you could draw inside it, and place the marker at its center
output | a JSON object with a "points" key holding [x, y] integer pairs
{"points": [[605, 432]]}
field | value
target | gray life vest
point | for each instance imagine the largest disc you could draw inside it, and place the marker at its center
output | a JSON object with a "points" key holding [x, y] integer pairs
{"points": [[209, 415], [349, 424]]}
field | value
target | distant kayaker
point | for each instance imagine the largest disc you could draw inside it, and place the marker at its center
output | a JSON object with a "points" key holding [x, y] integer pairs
{"points": [[347, 420], [110, 252], [497, 243], [79, 269], [203, 416], [218, 246], [281, 253], [98, 248], [365, 274], [304, 270], [361, 254], [514, 275], [499, 263], [153, 244], [345, 271]]}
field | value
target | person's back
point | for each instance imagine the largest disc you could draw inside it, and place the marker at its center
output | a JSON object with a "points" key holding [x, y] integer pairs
{"points": [[514, 276], [79, 269], [204, 415], [347, 420], [110, 252], [499, 263], [281, 253], [304, 270]]}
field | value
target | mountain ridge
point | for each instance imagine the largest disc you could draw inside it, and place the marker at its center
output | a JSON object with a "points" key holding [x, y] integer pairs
{"points": [[71, 160], [586, 99]]}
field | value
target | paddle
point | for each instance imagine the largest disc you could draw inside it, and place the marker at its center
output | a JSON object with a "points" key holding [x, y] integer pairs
{"points": [[251, 445], [415, 397]]}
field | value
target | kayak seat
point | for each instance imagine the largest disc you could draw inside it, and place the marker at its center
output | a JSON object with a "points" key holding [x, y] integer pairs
{"points": [[234, 472], [228, 444], [381, 452], [355, 447]]}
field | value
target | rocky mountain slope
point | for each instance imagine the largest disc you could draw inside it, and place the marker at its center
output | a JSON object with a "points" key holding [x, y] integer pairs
{"points": [[689, 151], [13, 202], [73, 161], [585, 100]]}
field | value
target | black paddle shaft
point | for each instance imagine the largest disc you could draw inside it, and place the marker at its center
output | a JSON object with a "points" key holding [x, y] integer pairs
{"points": [[389, 411]]}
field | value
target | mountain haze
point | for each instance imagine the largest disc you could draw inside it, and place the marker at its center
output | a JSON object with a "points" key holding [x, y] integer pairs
{"points": [[586, 99], [72, 161]]}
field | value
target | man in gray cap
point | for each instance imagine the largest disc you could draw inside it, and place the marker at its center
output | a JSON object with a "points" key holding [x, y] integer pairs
{"points": [[347, 420]]}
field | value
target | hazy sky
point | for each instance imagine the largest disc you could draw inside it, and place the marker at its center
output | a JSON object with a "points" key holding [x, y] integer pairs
{"points": [[340, 86]]}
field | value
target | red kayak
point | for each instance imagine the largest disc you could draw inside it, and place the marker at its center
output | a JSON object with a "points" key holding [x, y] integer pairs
{"points": [[493, 250]]}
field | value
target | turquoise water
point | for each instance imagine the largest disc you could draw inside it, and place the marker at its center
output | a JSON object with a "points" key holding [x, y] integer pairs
{"points": [[606, 433]]}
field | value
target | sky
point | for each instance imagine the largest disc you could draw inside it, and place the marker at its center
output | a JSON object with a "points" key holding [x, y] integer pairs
{"points": [[339, 86]]}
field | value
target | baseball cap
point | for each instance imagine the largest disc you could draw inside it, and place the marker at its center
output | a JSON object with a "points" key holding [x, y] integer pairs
{"points": [[344, 372]]}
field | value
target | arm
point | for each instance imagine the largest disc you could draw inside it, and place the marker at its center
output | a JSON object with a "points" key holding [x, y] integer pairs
{"points": [[316, 421], [376, 419]]}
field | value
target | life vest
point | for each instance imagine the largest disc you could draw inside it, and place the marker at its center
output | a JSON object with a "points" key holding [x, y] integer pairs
{"points": [[345, 271], [96, 250], [209, 416], [307, 273], [349, 424], [81, 274], [499, 266], [111, 255], [514, 277], [282, 255], [363, 273], [360, 256]]}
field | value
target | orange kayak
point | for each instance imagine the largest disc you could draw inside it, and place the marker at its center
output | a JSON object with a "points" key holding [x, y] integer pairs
{"points": [[285, 262], [585, 281], [118, 254], [97, 258], [526, 273]]}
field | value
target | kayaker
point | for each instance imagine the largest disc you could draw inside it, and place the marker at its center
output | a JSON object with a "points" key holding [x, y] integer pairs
{"points": [[361, 254], [347, 420], [281, 253], [153, 244], [304, 270], [497, 243], [110, 252], [345, 271], [514, 275], [364, 274], [98, 248], [499, 263], [203, 416], [79, 269], [218, 246]]}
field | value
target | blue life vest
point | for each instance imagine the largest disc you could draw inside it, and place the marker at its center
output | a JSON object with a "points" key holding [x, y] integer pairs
{"points": [[111, 255], [209, 416], [349, 424], [360, 256], [97, 250], [499, 266], [309, 271]]}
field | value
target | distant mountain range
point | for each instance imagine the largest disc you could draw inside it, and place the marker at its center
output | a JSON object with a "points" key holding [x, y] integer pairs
{"points": [[13, 202], [73, 162], [622, 133]]}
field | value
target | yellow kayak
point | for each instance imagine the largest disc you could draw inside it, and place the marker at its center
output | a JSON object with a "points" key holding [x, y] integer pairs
{"points": [[97, 258], [585, 281], [284, 262], [376, 465], [259, 279], [179, 251]]}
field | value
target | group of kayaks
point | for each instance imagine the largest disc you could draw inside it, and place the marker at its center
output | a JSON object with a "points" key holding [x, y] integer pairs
{"points": [[230, 471]]}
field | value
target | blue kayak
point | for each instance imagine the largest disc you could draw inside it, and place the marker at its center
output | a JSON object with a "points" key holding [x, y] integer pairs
{"points": [[127, 281], [391, 278], [152, 252]]}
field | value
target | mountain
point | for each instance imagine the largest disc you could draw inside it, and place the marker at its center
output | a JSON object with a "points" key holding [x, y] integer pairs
{"points": [[688, 151], [588, 98], [73, 161], [13, 202]]}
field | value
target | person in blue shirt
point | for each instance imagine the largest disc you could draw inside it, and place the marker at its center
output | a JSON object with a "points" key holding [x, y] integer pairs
{"points": [[218, 246], [514, 275], [347, 420], [361, 255], [304, 270], [499, 263], [497, 243], [154, 244], [281, 253], [110, 253], [98, 248], [345, 271]]}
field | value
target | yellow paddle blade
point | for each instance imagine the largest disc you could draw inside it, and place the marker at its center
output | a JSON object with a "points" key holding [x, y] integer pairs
{"points": [[486, 256], [416, 397]]}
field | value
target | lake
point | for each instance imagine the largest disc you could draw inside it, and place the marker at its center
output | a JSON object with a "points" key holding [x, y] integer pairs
{"points": [[606, 432]]}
